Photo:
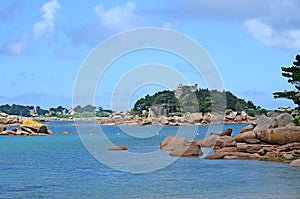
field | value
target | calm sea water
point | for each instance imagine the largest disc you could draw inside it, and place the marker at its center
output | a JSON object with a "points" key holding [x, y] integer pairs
{"points": [[59, 166]]}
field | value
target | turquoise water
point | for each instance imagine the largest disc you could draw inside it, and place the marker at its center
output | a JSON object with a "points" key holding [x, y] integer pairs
{"points": [[59, 166]]}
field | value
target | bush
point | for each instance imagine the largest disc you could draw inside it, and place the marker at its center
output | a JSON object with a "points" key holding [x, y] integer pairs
{"points": [[228, 111]]}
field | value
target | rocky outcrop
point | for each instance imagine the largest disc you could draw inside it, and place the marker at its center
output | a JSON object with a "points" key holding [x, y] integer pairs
{"points": [[188, 119], [171, 142], [226, 132], [209, 141], [247, 128], [190, 149], [179, 146], [10, 120], [213, 138], [2, 128], [28, 128], [282, 135], [117, 148], [269, 138], [295, 163]]}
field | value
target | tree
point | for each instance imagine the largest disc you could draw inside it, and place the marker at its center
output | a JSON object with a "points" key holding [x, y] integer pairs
{"points": [[40, 111], [293, 75]]}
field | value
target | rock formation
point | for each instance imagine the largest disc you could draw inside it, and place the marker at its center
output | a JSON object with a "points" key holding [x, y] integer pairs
{"points": [[28, 128], [179, 146], [272, 138]]}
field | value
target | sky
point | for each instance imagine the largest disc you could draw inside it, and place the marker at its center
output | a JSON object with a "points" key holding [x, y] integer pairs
{"points": [[44, 44]]}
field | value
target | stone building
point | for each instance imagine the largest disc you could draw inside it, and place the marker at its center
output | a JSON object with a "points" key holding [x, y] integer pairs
{"points": [[181, 89]]}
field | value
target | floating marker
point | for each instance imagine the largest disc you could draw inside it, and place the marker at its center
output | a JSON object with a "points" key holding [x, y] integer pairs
{"points": [[91, 133], [157, 133], [118, 133], [197, 133]]}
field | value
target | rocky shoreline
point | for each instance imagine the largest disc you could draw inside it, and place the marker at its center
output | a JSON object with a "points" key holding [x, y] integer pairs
{"points": [[27, 128], [272, 138], [189, 119]]}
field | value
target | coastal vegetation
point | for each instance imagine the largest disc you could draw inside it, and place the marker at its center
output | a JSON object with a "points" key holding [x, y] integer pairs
{"points": [[293, 75], [201, 100], [59, 111]]}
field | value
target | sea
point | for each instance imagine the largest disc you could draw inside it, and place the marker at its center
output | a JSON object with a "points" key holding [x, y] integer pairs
{"points": [[78, 165]]}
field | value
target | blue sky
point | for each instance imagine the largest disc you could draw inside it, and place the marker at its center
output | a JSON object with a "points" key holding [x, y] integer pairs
{"points": [[44, 43]]}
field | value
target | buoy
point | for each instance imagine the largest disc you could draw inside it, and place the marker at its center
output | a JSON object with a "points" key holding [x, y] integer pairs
{"points": [[197, 133], [118, 133], [157, 133], [91, 133]]}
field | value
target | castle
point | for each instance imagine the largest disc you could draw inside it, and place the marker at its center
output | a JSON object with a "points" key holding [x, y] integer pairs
{"points": [[185, 89]]}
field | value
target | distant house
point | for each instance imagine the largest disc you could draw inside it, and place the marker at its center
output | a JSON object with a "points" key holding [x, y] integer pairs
{"points": [[181, 89], [284, 109], [71, 111]]}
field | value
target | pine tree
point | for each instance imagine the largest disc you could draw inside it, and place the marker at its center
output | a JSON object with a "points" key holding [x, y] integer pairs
{"points": [[293, 75]]}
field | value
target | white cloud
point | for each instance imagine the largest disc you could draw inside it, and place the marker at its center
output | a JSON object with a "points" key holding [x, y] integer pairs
{"points": [[15, 47], [47, 23], [108, 22], [275, 23], [118, 18], [282, 38]]}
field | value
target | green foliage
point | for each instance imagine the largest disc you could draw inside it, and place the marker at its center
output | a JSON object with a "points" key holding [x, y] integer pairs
{"points": [[296, 121], [202, 100], [228, 111], [88, 108], [64, 116], [16, 109], [41, 111], [103, 112], [293, 75], [164, 101]]}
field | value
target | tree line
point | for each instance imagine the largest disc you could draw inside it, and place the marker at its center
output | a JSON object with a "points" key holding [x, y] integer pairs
{"points": [[202, 100], [28, 111]]}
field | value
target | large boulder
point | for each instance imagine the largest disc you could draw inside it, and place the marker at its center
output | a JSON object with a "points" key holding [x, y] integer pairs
{"points": [[245, 136], [225, 141], [172, 142], [33, 127], [244, 115], [247, 128], [295, 163], [209, 141], [277, 121], [283, 119], [231, 116], [264, 123], [187, 150], [2, 128], [282, 135], [226, 132]]}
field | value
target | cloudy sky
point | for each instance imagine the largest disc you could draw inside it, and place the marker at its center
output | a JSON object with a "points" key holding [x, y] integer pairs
{"points": [[43, 45]]}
